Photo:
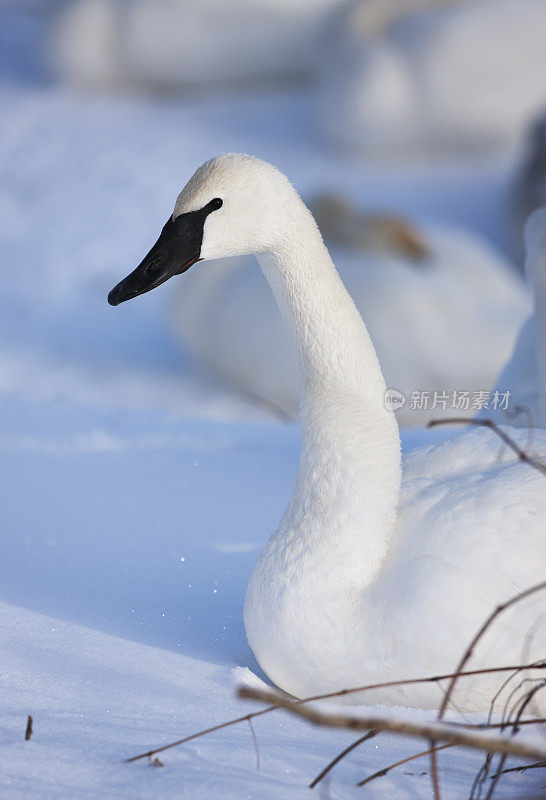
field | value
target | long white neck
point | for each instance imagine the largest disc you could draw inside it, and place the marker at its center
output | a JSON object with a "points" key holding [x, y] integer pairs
{"points": [[336, 530], [351, 451]]}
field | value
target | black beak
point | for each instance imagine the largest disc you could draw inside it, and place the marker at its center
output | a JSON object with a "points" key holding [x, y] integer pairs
{"points": [[178, 247]]}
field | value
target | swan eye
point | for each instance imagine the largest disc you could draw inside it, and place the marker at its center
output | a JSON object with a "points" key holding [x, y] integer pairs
{"points": [[215, 204]]}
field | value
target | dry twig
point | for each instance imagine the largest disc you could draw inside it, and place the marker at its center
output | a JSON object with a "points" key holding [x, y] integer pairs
{"points": [[464, 660], [536, 463], [328, 695], [386, 770], [433, 731], [255, 742], [524, 767], [337, 759], [484, 627]]}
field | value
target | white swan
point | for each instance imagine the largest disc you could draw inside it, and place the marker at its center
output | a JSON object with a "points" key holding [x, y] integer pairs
{"points": [[455, 334], [412, 75], [359, 583], [525, 373], [184, 44], [529, 186]]}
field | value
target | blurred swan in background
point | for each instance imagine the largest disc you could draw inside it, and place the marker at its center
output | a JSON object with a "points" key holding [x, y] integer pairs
{"points": [[529, 188], [441, 305], [425, 75], [185, 43], [525, 373]]}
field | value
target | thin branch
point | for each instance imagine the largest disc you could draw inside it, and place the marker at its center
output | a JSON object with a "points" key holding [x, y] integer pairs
{"points": [[433, 731], [29, 731], [328, 695], [386, 770], [470, 649], [540, 466], [506, 722], [197, 735], [503, 725], [536, 463], [507, 708], [526, 701], [434, 775], [337, 759], [505, 683], [255, 740], [523, 768], [483, 772], [435, 778]]}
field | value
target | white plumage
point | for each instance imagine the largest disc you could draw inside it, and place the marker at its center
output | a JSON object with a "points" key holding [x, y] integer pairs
{"points": [[370, 576], [443, 322]]}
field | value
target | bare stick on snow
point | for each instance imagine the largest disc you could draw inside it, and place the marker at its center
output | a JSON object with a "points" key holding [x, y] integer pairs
{"points": [[464, 660], [432, 731], [341, 693]]}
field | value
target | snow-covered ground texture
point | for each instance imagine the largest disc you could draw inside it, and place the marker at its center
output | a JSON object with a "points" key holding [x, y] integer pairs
{"points": [[135, 493]]}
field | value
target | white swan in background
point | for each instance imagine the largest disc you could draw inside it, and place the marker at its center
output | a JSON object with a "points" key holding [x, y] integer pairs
{"points": [[441, 305], [529, 186], [361, 582], [525, 373], [425, 75], [180, 44]]}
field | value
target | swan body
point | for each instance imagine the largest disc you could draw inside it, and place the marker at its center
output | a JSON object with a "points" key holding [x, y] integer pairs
{"points": [[395, 78], [464, 539], [525, 373], [456, 332], [369, 576], [173, 44]]}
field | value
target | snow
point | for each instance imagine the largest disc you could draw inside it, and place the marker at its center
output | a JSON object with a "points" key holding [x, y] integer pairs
{"points": [[135, 491], [120, 619]]}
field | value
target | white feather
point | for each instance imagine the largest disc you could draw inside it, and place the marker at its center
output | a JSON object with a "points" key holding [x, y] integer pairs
{"points": [[371, 576]]}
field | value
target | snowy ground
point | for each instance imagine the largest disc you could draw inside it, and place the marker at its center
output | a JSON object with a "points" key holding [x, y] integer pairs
{"points": [[135, 492], [127, 542]]}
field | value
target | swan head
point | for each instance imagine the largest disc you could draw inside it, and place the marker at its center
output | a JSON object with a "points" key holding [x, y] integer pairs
{"points": [[233, 205], [535, 249]]}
